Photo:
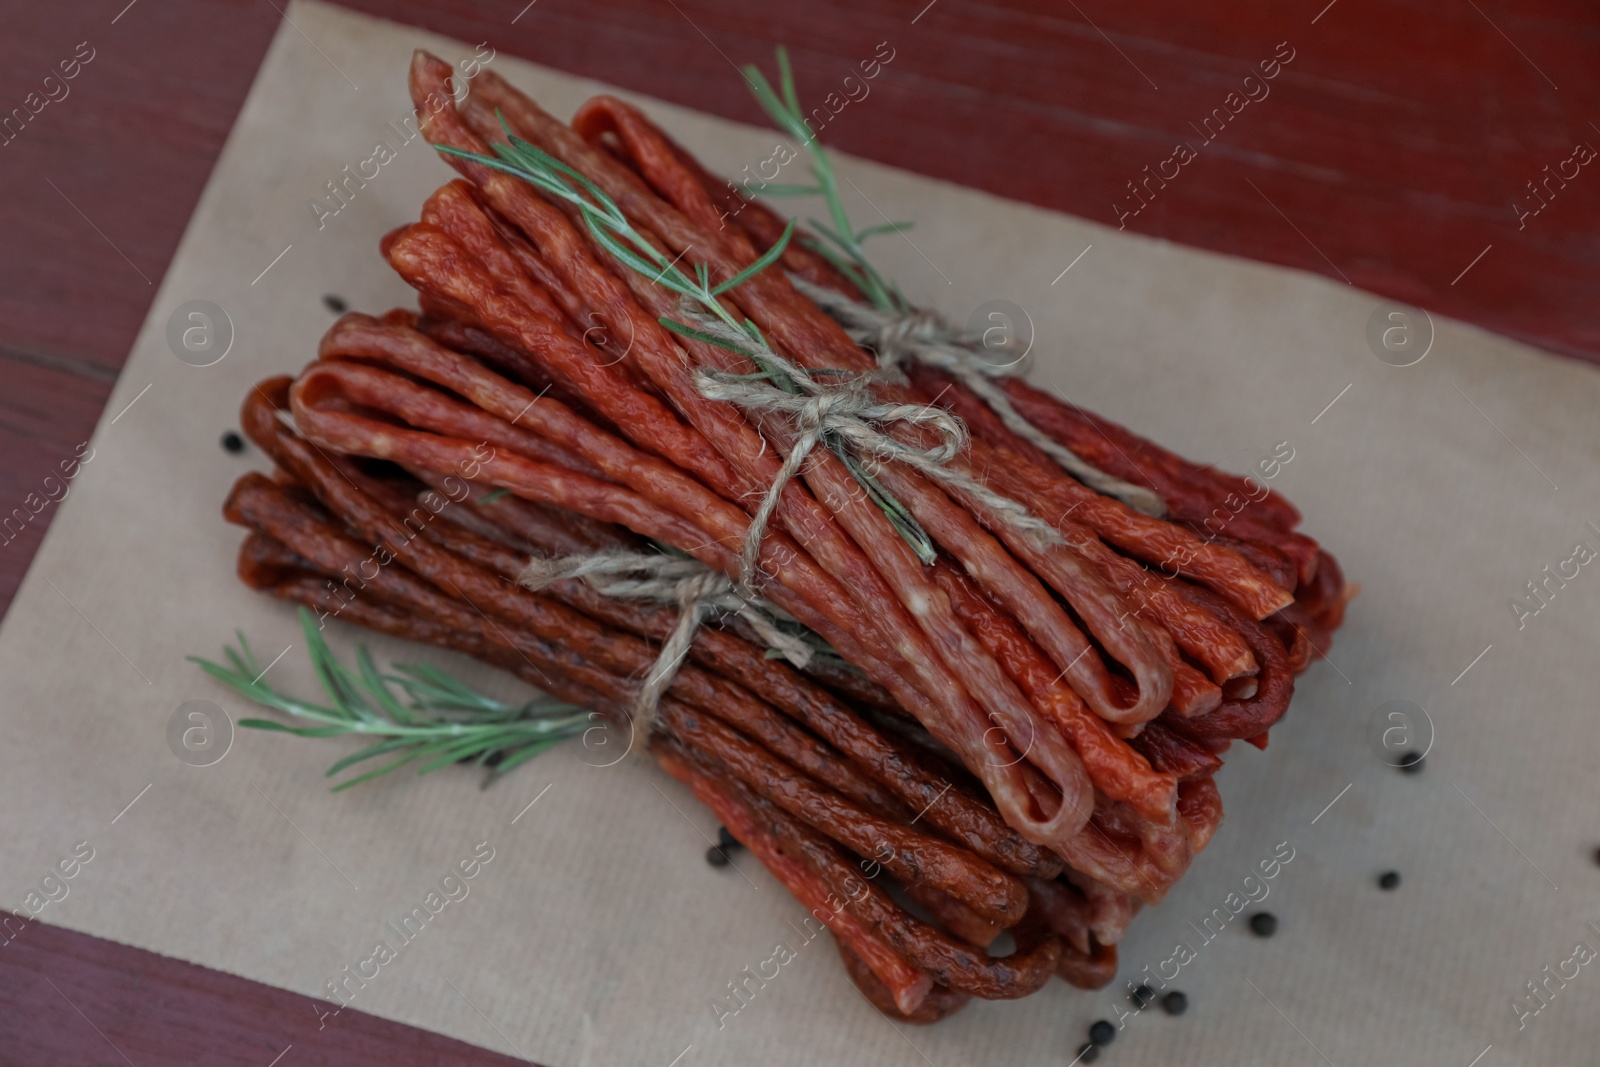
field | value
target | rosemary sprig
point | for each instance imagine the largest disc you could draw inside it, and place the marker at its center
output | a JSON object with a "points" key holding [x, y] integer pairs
{"points": [[442, 720], [616, 234], [843, 246]]}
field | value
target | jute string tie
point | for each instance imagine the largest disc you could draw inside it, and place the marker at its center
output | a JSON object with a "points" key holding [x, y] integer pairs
{"points": [[925, 337], [696, 590], [839, 410]]}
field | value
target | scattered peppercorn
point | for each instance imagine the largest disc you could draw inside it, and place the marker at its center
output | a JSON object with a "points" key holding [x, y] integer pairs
{"points": [[232, 442], [1597, 855], [1263, 924], [335, 304], [716, 857], [1388, 879], [1411, 763], [493, 759], [1088, 1053], [1142, 997], [1102, 1032], [725, 838], [1175, 1003]]}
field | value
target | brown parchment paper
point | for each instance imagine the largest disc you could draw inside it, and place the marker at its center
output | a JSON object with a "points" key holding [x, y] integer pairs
{"points": [[596, 933]]}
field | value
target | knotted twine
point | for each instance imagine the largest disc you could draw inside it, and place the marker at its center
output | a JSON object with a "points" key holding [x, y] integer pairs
{"points": [[833, 409], [925, 337], [694, 588], [839, 410]]}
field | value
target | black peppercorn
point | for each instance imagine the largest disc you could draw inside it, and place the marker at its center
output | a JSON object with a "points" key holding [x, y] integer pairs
{"points": [[725, 838], [1175, 1003], [232, 442], [1142, 997], [1102, 1032], [1388, 879], [335, 304], [1088, 1053], [716, 857], [1263, 924], [1411, 763]]}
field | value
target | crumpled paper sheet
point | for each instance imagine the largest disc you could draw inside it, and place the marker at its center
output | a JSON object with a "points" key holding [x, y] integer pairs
{"points": [[596, 933]]}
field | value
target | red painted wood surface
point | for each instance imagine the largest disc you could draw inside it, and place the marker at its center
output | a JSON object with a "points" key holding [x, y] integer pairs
{"points": [[68, 998], [1390, 152]]}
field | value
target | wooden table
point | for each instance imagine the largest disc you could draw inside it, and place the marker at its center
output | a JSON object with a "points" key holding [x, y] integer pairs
{"points": [[1432, 153]]}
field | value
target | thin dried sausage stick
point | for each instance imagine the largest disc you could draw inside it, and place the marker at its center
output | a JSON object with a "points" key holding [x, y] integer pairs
{"points": [[1201, 807], [958, 919], [940, 1003], [1171, 754], [1093, 970], [1116, 770], [908, 986], [1248, 717], [911, 857]]}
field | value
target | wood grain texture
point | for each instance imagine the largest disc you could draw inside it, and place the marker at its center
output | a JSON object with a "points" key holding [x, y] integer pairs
{"points": [[1388, 153], [71, 998]]}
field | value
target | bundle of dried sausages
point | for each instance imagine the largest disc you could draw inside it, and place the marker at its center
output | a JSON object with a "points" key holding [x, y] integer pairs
{"points": [[1031, 705]]}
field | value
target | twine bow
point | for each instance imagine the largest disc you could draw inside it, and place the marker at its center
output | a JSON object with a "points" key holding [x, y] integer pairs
{"points": [[837, 409], [694, 588], [925, 337]]}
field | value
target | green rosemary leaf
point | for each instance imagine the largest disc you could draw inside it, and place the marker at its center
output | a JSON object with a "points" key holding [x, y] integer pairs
{"points": [[381, 748], [346, 696], [824, 230], [662, 272], [842, 264], [445, 754], [433, 690], [769, 257], [701, 335], [887, 227], [489, 498], [373, 682], [516, 757], [542, 160], [491, 162], [786, 81], [787, 120], [378, 773], [900, 518], [252, 666]]}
